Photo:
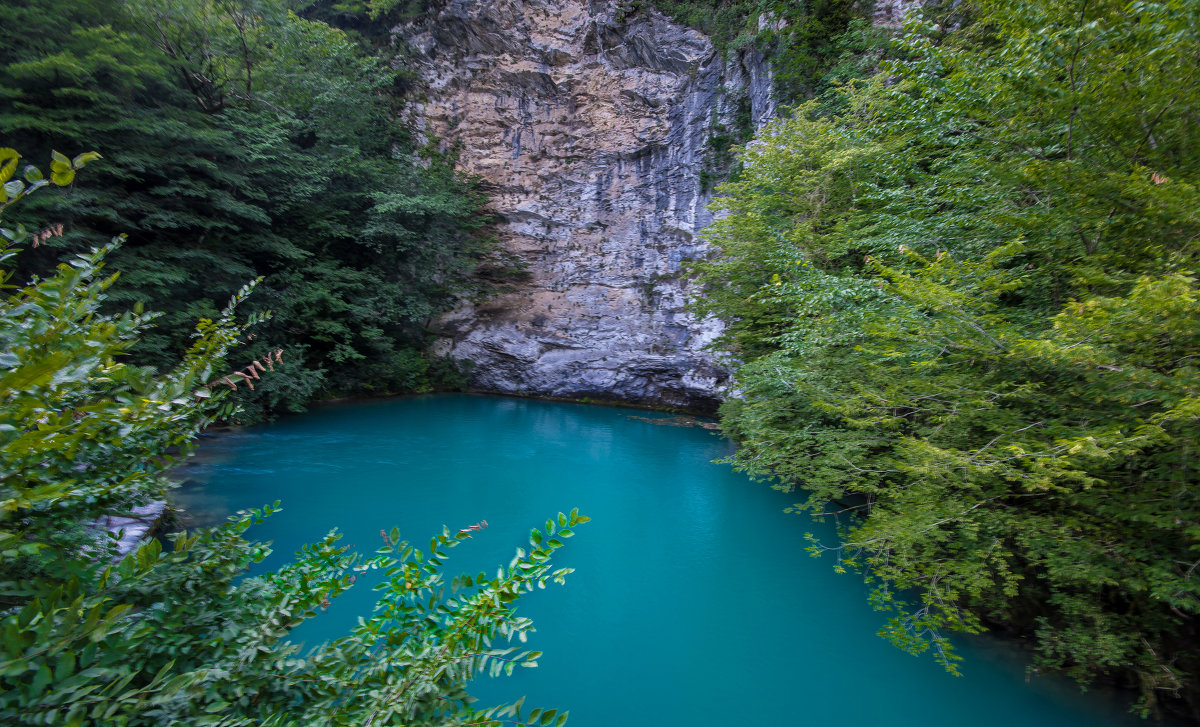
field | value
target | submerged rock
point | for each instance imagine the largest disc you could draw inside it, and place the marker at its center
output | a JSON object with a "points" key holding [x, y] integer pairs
{"points": [[593, 132], [130, 530]]}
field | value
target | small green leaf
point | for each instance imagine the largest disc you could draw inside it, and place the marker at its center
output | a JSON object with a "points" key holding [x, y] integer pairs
{"points": [[8, 163], [40, 680], [59, 162], [62, 179], [88, 156], [65, 667]]}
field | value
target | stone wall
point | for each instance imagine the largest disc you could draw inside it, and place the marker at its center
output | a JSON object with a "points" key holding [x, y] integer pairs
{"points": [[592, 132]]}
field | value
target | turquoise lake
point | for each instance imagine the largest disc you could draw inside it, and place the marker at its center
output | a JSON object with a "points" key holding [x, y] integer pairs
{"points": [[693, 602]]}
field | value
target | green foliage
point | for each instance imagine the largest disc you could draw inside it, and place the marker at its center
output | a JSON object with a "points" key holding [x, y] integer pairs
{"points": [[12, 189], [965, 310], [243, 141], [70, 411], [182, 636], [725, 21], [812, 46]]}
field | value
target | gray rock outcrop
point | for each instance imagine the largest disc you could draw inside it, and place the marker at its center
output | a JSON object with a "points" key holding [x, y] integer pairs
{"points": [[130, 530], [592, 131], [891, 14]]}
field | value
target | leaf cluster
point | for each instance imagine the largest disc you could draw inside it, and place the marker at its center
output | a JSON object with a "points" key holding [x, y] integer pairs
{"points": [[964, 308]]}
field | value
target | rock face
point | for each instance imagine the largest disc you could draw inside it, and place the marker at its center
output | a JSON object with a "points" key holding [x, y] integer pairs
{"points": [[593, 132], [132, 529], [891, 13]]}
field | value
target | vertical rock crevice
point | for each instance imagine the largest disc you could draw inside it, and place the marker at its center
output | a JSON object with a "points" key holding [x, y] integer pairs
{"points": [[592, 133]]}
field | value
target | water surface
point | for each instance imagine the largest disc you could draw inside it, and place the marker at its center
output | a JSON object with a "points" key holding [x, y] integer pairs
{"points": [[693, 602]]}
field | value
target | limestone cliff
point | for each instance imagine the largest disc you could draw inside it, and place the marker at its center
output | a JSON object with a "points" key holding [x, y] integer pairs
{"points": [[592, 131], [891, 13]]}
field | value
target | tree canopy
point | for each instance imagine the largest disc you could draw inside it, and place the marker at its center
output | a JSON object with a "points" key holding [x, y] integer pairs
{"points": [[240, 141], [964, 310]]}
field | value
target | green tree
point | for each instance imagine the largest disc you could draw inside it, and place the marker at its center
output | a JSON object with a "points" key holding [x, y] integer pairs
{"points": [[182, 635], [965, 310], [243, 141]]}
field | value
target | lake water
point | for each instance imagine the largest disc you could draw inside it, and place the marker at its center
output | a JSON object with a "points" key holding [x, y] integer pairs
{"points": [[693, 602]]}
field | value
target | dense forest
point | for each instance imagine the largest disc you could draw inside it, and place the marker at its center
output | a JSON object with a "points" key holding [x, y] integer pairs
{"points": [[965, 312], [959, 276], [242, 141]]}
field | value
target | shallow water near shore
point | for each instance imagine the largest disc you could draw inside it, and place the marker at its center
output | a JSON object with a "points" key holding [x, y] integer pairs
{"points": [[693, 603]]}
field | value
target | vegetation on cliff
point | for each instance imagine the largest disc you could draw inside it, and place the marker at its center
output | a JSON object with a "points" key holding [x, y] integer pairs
{"points": [[965, 310], [813, 46], [242, 141]]}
